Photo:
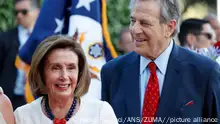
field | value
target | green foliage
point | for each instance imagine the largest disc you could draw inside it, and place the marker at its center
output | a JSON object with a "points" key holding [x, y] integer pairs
{"points": [[118, 17], [7, 19]]}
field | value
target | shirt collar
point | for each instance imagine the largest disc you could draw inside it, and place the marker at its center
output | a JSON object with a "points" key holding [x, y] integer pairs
{"points": [[25, 30], [161, 61]]}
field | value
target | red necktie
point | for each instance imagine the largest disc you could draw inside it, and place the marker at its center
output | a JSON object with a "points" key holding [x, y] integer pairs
{"points": [[151, 97]]}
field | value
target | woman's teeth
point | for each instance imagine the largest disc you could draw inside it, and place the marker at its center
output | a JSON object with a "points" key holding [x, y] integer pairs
{"points": [[63, 85]]}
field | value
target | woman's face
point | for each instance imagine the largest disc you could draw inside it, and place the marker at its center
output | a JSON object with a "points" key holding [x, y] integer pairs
{"points": [[61, 73]]}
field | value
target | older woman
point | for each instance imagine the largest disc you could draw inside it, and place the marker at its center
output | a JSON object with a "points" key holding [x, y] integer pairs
{"points": [[59, 76], [6, 110]]}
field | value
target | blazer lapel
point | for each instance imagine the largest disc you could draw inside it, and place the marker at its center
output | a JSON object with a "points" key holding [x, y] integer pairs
{"points": [[172, 84], [130, 81], [16, 37], [16, 41]]}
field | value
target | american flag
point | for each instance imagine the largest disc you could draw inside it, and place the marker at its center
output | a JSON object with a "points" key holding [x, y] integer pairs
{"points": [[85, 18]]}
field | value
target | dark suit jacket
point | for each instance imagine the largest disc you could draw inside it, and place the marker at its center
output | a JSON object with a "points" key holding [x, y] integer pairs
{"points": [[189, 77], [9, 46]]}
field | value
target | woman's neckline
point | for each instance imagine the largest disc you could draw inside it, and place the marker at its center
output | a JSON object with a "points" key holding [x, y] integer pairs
{"points": [[75, 114]]}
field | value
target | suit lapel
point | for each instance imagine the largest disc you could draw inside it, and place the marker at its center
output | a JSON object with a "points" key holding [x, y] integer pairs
{"points": [[172, 84], [14, 35], [130, 81]]}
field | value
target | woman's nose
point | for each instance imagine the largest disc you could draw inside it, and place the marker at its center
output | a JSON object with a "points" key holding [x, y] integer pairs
{"points": [[63, 75]]}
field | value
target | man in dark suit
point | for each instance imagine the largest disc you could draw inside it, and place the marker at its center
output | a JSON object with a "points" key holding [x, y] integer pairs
{"points": [[160, 79], [196, 34], [11, 79]]}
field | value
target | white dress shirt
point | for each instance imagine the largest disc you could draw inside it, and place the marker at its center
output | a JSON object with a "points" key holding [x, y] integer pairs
{"points": [[161, 63], [23, 35]]}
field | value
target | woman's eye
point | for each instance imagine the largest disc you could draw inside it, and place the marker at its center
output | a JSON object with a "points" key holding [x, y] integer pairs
{"points": [[71, 67]]}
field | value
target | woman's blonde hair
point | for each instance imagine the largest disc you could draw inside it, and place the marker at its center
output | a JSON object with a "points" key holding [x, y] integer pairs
{"points": [[36, 74]]}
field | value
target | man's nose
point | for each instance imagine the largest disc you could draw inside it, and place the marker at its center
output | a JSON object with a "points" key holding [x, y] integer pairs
{"points": [[19, 15], [136, 28]]}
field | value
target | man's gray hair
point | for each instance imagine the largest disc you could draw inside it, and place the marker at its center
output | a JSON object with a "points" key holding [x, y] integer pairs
{"points": [[169, 10]]}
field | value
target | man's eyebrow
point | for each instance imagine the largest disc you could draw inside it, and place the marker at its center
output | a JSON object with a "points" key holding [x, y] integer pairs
{"points": [[145, 20]]}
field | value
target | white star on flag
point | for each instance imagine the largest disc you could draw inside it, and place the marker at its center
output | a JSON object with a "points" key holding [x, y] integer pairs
{"points": [[85, 3], [59, 25], [96, 51]]}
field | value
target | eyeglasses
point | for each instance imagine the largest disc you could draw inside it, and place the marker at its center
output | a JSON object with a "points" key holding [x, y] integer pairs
{"points": [[22, 11], [207, 35]]}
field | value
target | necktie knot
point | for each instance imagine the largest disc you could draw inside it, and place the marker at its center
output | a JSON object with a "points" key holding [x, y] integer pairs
{"points": [[152, 66]]}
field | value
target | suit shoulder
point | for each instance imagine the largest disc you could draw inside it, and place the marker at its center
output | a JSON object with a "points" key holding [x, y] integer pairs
{"points": [[9, 32], [122, 61], [200, 61], [8, 35]]}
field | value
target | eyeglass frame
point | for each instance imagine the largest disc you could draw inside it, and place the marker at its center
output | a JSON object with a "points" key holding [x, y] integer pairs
{"points": [[22, 11], [208, 35]]}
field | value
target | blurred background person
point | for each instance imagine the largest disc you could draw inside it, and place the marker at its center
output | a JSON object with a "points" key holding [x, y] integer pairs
{"points": [[213, 21], [195, 34], [125, 43], [6, 110], [59, 76], [11, 79]]}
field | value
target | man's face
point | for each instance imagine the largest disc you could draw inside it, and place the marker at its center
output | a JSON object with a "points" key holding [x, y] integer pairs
{"points": [[205, 37], [150, 36], [25, 14], [126, 44]]}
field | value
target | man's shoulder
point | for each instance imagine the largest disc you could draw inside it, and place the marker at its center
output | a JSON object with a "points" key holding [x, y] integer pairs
{"points": [[10, 35], [194, 59], [122, 61], [9, 32]]}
